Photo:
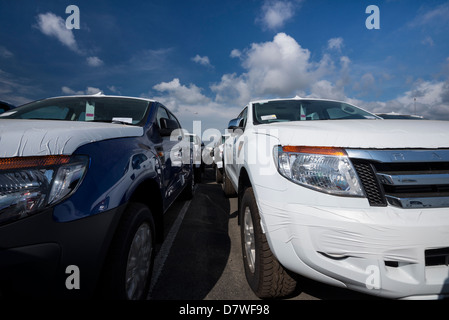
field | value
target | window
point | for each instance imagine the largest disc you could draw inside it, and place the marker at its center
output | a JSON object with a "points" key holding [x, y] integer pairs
{"points": [[99, 109], [243, 116], [172, 117], [306, 110], [161, 113], [48, 112]]}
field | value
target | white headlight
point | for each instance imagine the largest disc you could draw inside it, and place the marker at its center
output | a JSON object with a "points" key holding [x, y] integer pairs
{"points": [[324, 169], [29, 184]]}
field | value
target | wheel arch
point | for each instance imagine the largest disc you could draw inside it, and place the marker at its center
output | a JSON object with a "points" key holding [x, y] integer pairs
{"points": [[148, 192], [244, 183]]}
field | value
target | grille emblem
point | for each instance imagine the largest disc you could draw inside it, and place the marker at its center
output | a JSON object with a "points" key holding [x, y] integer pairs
{"points": [[397, 157], [436, 156]]}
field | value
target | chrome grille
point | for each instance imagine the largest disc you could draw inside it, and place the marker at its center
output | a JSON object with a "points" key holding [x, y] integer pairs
{"points": [[406, 179]]}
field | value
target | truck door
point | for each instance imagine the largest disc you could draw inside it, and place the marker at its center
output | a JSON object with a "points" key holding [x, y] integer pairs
{"points": [[170, 153], [238, 145]]}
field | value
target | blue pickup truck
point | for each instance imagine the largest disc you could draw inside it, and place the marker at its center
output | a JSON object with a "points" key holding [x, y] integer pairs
{"points": [[84, 184]]}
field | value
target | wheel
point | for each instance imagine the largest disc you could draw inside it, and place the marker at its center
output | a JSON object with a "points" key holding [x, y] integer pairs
{"points": [[130, 261], [218, 175], [265, 275], [228, 189]]}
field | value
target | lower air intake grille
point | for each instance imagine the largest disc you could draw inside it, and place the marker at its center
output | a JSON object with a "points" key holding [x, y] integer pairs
{"points": [[370, 183]]}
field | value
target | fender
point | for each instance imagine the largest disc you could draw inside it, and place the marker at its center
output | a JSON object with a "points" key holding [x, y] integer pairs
{"points": [[117, 166]]}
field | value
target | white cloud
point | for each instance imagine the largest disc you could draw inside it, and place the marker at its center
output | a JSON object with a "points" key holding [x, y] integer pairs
{"points": [[366, 83], [280, 67], [69, 91], [235, 53], [427, 93], [233, 89], [335, 43], [94, 61], [275, 13], [92, 90], [202, 60], [435, 16], [114, 89], [190, 106], [54, 26], [190, 95], [89, 90]]}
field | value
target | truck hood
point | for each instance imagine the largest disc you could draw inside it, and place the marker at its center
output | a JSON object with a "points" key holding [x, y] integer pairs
{"points": [[364, 134], [20, 138]]}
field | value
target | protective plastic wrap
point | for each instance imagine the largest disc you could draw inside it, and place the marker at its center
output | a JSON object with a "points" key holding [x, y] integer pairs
{"points": [[23, 138]]}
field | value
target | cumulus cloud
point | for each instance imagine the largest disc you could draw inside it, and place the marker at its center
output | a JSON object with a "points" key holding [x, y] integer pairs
{"points": [[192, 107], [431, 97], [202, 60], [54, 26], [190, 95], [280, 67], [275, 13], [283, 68]]}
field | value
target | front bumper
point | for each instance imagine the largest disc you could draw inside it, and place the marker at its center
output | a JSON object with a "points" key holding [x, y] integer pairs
{"points": [[36, 251], [344, 242]]}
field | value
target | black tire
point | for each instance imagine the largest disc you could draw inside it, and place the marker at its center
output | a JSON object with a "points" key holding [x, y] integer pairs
{"points": [[135, 236], [228, 189], [218, 175], [265, 275]]}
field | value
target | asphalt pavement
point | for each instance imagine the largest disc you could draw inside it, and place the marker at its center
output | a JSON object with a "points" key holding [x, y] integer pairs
{"points": [[201, 258]]}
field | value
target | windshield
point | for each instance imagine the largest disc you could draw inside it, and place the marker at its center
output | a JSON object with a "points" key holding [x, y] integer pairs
{"points": [[305, 110], [98, 109]]}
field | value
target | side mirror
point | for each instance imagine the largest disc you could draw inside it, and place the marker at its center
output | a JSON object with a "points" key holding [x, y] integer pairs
{"points": [[235, 124], [167, 127]]}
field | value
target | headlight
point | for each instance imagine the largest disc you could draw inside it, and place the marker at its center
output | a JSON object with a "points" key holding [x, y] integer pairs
{"points": [[324, 169], [29, 184]]}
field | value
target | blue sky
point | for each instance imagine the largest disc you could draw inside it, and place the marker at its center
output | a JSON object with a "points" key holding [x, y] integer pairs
{"points": [[206, 59]]}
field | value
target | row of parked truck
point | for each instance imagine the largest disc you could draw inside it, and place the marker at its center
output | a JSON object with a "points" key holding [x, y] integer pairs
{"points": [[325, 190]]}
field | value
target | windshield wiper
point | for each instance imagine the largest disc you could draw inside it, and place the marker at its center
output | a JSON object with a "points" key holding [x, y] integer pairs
{"points": [[112, 121]]}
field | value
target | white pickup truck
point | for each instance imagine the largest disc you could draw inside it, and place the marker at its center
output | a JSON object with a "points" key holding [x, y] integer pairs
{"points": [[334, 193]]}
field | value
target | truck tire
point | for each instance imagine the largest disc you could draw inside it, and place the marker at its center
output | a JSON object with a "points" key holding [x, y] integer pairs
{"points": [[265, 275], [130, 261], [228, 189]]}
